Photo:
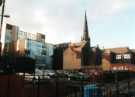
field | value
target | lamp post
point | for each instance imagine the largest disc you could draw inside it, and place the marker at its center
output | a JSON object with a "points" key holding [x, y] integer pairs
{"points": [[2, 12], [2, 16], [6, 16]]}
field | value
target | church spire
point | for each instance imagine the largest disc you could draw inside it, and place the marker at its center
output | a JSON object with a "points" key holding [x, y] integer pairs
{"points": [[86, 31]]}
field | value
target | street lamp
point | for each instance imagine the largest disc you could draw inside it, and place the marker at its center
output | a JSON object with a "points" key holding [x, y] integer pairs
{"points": [[6, 16], [2, 2], [2, 15], [2, 12]]}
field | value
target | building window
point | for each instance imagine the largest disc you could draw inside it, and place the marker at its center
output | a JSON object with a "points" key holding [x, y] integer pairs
{"points": [[126, 56], [9, 26], [118, 57]]}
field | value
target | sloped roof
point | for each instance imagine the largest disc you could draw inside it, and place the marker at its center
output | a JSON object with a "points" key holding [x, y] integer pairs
{"points": [[117, 50], [133, 50]]}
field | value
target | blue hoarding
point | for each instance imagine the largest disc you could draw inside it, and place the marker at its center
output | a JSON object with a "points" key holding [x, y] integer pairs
{"points": [[92, 90]]}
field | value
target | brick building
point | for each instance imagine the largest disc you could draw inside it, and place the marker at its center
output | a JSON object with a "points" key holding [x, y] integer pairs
{"points": [[121, 58], [72, 56]]}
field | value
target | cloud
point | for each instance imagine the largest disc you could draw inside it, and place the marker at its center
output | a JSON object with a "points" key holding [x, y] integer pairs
{"points": [[103, 8], [62, 20]]}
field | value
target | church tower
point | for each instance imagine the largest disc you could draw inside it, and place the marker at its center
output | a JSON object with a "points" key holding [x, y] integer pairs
{"points": [[86, 51], [86, 31]]}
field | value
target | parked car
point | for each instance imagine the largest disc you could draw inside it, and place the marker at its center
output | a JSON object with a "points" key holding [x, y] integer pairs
{"points": [[61, 75], [79, 76]]}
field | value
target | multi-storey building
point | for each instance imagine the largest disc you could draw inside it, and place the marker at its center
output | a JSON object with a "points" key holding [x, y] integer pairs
{"points": [[49, 49], [58, 55], [31, 48], [9, 41], [121, 58], [17, 40], [23, 43]]}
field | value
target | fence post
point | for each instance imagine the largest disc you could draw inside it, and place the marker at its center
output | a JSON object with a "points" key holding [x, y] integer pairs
{"points": [[82, 89], [117, 84], [129, 83], [33, 85], [8, 87], [38, 88]]}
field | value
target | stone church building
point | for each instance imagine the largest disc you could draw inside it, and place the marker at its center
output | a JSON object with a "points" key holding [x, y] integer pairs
{"points": [[81, 55]]}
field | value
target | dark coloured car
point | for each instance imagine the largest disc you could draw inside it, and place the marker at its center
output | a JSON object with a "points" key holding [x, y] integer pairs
{"points": [[79, 76]]}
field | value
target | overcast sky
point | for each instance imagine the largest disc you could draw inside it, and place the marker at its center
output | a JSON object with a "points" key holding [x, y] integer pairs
{"points": [[111, 22]]}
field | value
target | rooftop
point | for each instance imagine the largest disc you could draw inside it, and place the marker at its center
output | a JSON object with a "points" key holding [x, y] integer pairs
{"points": [[117, 50]]}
